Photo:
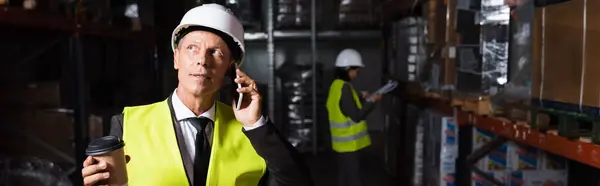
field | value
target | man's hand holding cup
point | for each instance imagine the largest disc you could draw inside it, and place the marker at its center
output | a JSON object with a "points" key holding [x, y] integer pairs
{"points": [[105, 164]]}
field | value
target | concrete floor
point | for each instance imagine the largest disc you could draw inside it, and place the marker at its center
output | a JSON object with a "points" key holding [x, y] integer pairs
{"points": [[324, 167]]}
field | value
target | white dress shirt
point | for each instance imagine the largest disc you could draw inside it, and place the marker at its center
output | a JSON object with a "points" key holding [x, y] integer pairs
{"points": [[182, 113]]}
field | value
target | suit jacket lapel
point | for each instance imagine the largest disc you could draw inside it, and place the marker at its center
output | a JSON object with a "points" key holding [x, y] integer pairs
{"points": [[188, 163]]}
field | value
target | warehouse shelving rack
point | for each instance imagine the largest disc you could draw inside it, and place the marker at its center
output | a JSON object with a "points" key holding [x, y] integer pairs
{"points": [[75, 29], [45, 21], [583, 152], [398, 149], [271, 35]]}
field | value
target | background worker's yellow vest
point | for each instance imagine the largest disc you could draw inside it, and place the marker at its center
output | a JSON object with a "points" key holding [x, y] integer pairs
{"points": [[346, 135], [151, 143]]}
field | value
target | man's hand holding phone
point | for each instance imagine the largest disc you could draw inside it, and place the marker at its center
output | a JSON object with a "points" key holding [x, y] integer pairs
{"points": [[249, 111]]}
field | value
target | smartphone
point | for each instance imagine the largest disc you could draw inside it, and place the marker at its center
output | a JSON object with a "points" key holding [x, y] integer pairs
{"points": [[236, 95]]}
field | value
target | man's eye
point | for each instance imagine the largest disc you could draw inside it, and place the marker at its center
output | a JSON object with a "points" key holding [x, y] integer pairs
{"points": [[215, 52], [191, 47]]}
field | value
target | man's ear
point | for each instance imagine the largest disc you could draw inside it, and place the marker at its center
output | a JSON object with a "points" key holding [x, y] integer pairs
{"points": [[176, 59]]}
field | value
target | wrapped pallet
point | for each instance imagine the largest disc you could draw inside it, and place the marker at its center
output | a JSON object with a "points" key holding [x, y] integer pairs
{"points": [[441, 44], [451, 38], [565, 64], [482, 64], [298, 99], [408, 48], [357, 13], [293, 13], [517, 89], [423, 49], [247, 11], [440, 149], [46, 134]]}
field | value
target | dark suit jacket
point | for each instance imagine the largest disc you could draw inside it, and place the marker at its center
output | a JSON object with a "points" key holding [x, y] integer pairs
{"points": [[284, 164]]}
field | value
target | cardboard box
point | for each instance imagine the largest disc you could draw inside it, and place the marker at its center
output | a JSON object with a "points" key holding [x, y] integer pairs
{"points": [[523, 157], [565, 59], [43, 134], [441, 33], [479, 181], [45, 94], [539, 178], [554, 162], [498, 159], [562, 41], [449, 151], [440, 150]]}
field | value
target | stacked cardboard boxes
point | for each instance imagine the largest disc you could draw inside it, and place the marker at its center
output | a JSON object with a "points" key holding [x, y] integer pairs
{"points": [[442, 40], [565, 61], [34, 123], [358, 13], [440, 149], [518, 165]]}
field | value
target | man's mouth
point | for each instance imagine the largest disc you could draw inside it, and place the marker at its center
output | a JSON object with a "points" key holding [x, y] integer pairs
{"points": [[201, 76]]}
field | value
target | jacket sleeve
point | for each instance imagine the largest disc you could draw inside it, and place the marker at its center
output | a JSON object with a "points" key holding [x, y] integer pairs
{"points": [[284, 163], [116, 126], [349, 107]]}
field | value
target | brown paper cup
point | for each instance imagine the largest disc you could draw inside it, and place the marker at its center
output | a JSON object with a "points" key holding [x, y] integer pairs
{"points": [[110, 150]]}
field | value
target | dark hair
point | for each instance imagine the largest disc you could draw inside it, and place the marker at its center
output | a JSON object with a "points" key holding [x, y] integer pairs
{"points": [[234, 48], [342, 73]]}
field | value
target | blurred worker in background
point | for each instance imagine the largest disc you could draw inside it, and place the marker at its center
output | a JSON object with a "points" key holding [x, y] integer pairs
{"points": [[191, 138], [347, 116]]}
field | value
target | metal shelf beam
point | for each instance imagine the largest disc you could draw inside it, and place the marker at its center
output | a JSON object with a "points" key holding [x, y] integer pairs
{"points": [[579, 150], [40, 20], [301, 34]]}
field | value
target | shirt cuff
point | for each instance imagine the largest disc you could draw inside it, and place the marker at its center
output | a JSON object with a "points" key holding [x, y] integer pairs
{"points": [[262, 121]]}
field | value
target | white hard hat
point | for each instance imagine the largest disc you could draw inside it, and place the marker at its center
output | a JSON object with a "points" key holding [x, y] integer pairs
{"points": [[349, 58], [213, 16]]}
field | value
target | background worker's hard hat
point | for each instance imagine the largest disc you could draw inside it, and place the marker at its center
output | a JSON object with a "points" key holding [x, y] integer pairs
{"points": [[349, 58], [216, 17]]}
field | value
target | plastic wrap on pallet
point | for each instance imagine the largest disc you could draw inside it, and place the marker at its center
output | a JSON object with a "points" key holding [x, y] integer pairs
{"points": [[32, 171], [468, 67], [398, 41], [298, 95], [414, 152], [483, 67], [245, 10], [494, 55], [410, 49], [418, 166], [440, 149], [357, 13], [567, 32], [518, 87], [392, 45], [494, 11], [293, 13]]}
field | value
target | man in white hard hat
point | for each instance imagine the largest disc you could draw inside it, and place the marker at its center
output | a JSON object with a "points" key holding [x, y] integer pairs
{"points": [[191, 138], [347, 115]]}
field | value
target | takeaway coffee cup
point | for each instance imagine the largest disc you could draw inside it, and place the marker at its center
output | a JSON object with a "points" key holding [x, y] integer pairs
{"points": [[110, 150]]}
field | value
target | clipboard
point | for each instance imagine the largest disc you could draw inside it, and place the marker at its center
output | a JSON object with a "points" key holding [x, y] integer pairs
{"points": [[391, 85]]}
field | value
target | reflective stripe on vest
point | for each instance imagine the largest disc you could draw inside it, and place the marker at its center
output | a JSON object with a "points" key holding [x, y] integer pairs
{"points": [[156, 160], [346, 135], [342, 125], [350, 138]]}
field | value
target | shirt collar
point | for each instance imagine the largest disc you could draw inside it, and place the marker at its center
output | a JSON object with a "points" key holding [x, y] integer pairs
{"points": [[182, 112]]}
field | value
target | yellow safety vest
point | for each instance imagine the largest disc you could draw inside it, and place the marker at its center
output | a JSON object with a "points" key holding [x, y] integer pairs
{"points": [[346, 135], [155, 158]]}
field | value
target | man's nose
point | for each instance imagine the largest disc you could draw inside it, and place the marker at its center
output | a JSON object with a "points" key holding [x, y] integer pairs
{"points": [[202, 59]]}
